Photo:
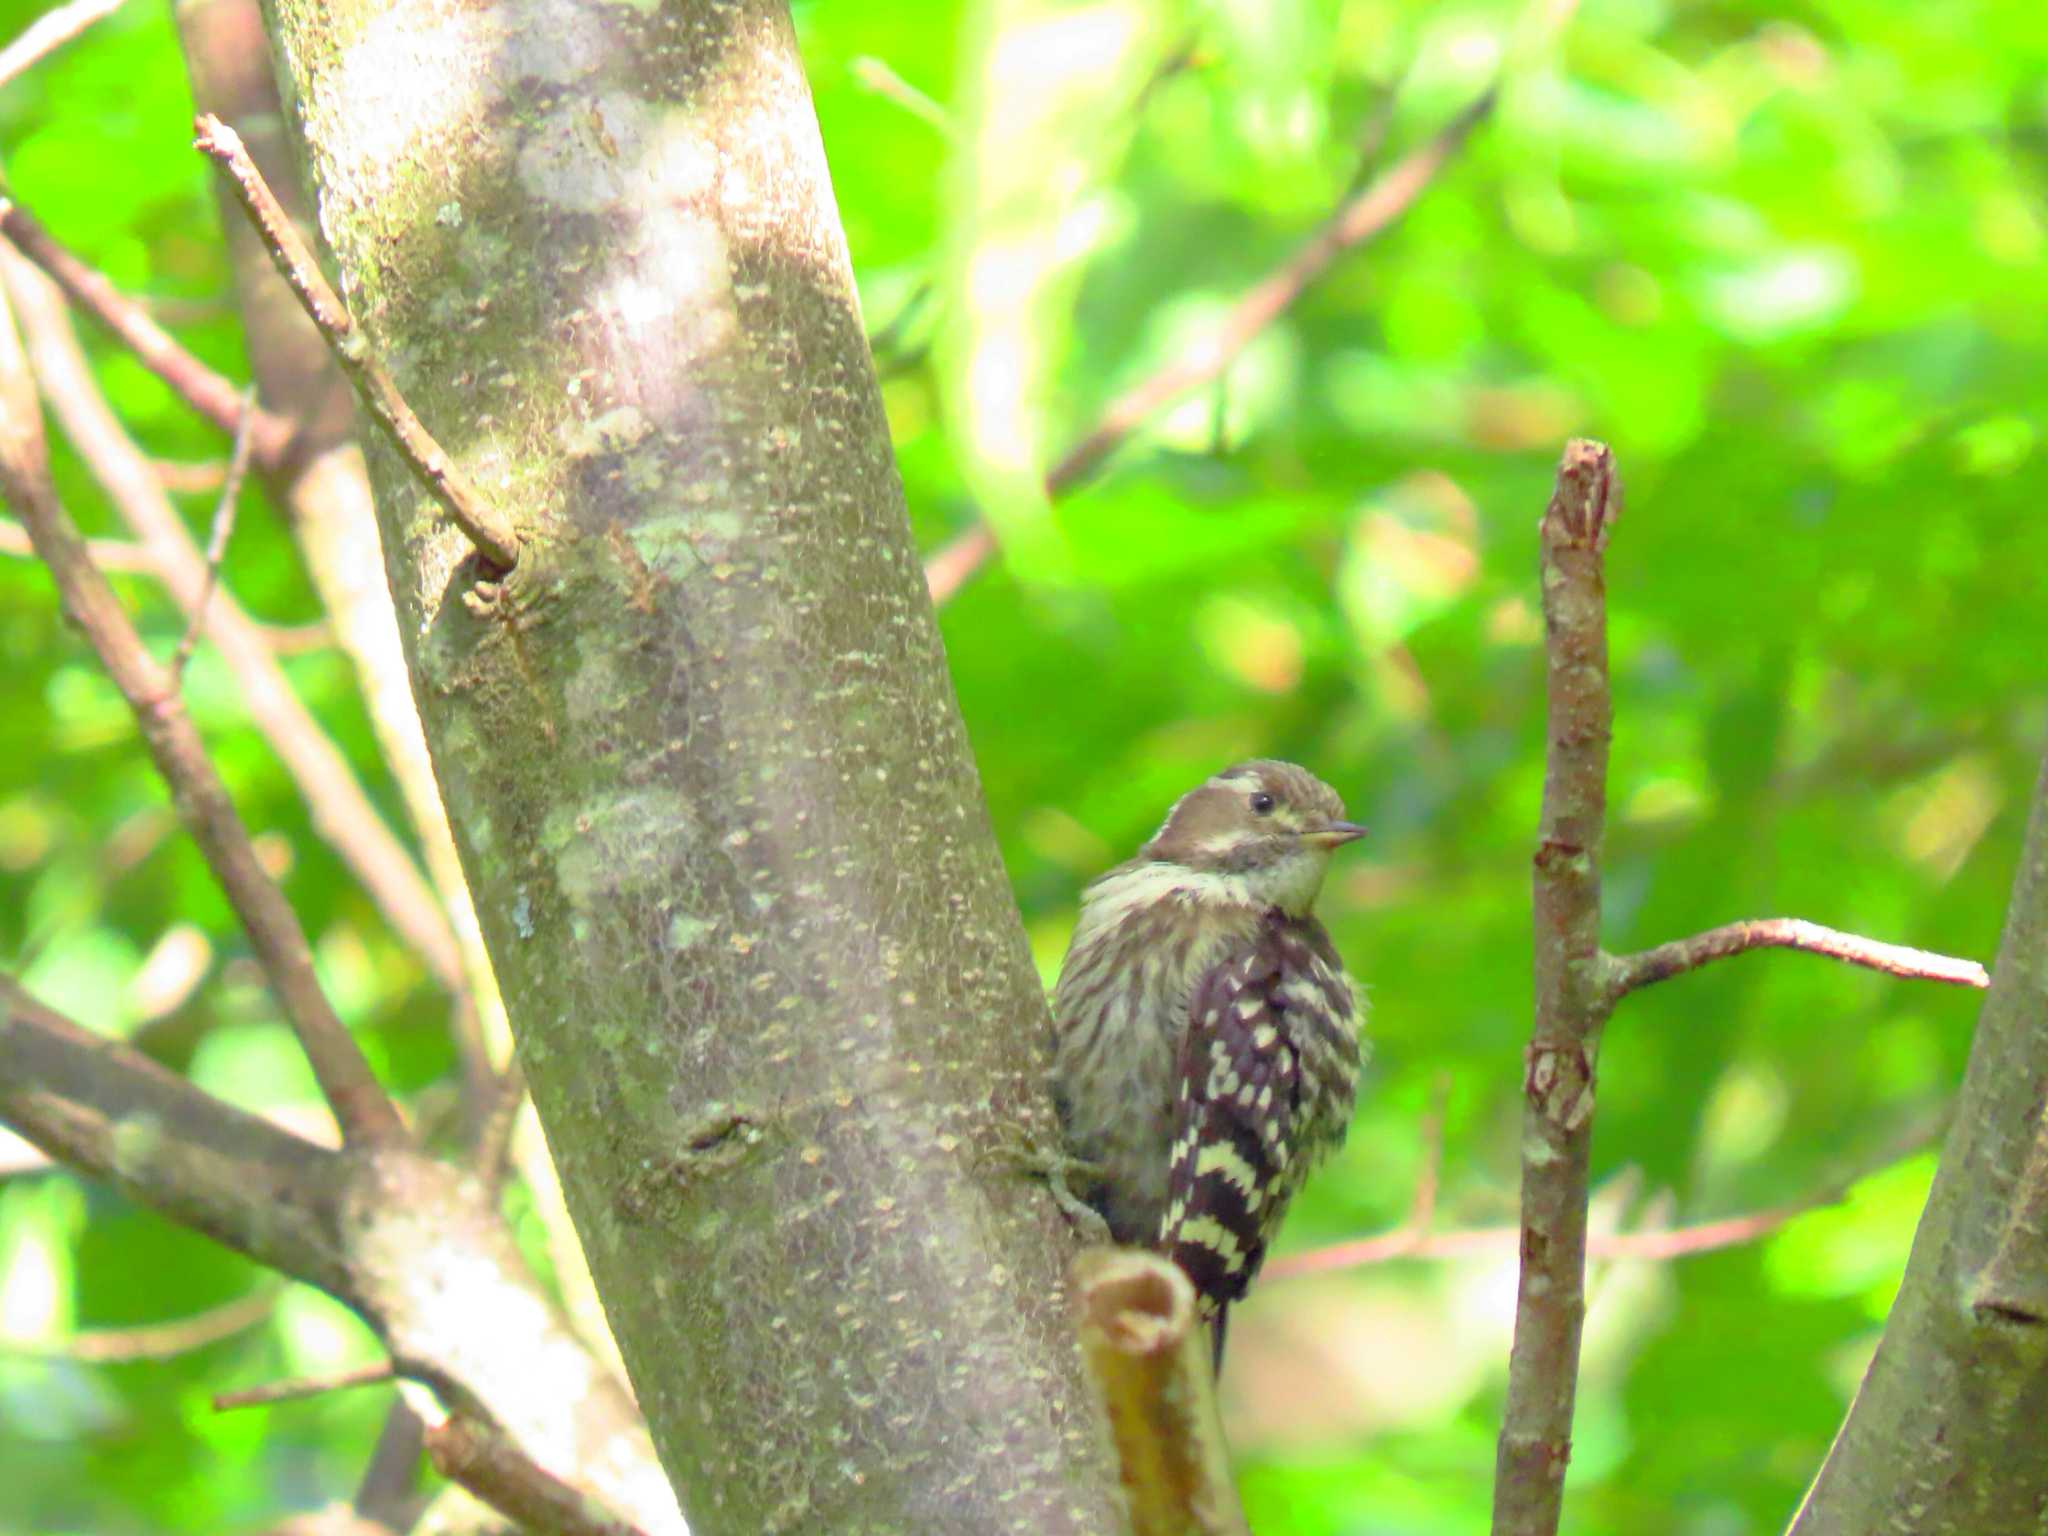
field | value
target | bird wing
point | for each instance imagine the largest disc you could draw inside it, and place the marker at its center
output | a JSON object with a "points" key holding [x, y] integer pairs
{"points": [[1237, 1099]]}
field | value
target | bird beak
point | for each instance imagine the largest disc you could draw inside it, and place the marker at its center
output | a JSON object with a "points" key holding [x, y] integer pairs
{"points": [[1335, 835]]}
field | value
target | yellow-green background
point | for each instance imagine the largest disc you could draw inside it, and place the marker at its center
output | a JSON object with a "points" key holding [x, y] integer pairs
{"points": [[1787, 259]]}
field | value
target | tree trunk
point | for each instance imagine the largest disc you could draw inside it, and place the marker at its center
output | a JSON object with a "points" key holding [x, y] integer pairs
{"points": [[1946, 1435], [702, 756]]}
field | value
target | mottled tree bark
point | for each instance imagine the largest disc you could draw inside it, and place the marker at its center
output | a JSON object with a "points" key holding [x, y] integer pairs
{"points": [[702, 756], [1946, 1435]]}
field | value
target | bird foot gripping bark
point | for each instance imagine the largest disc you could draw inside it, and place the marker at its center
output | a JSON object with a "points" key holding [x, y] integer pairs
{"points": [[1055, 1166]]}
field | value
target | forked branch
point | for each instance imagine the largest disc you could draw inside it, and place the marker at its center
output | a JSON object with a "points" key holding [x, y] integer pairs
{"points": [[1576, 989]]}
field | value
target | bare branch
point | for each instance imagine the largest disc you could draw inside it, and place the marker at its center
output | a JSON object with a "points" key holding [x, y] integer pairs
{"points": [[303, 1386], [360, 1224], [360, 1105], [49, 32], [108, 554], [479, 521], [114, 1114], [190, 479], [876, 75], [491, 1467], [1412, 1241], [154, 1341], [1149, 1354], [947, 568], [1625, 973], [297, 640], [211, 394], [1557, 1121], [1483, 1242], [1361, 220], [130, 558], [223, 529], [341, 811]]}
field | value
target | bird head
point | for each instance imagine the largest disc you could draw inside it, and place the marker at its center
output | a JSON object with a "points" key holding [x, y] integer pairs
{"points": [[1269, 825]]}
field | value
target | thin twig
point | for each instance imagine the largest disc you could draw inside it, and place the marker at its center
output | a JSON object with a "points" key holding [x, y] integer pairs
{"points": [[479, 521], [213, 395], [1483, 1242], [122, 555], [304, 1386], [155, 1341], [1571, 1008], [496, 1471], [361, 1107], [1625, 973], [223, 530], [1359, 221], [1410, 1241], [1372, 137], [947, 568], [202, 478], [341, 811], [49, 32], [131, 558], [1422, 1206], [297, 639], [876, 75], [1412, 1236], [1149, 1355]]}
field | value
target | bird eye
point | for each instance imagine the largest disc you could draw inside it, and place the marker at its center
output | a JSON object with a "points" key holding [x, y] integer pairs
{"points": [[1262, 804]]}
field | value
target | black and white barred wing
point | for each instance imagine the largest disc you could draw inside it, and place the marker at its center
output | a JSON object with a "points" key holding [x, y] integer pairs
{"points": [[1236, 1136]]}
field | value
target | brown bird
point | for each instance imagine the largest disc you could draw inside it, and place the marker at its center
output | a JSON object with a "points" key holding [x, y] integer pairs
{"points": [[1208, 1048]]}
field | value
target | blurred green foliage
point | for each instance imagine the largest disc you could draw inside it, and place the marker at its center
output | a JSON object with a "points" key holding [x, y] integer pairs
{"points": [[1787, 259]]}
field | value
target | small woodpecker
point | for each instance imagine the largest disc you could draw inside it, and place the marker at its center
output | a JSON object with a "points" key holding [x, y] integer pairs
{"points": [[1208, 1038]]}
